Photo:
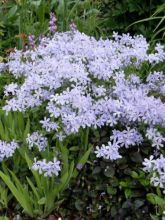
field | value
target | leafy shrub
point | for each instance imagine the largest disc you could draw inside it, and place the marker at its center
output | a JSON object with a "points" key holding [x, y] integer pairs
{"points": [[119, 15], [69, 88]]}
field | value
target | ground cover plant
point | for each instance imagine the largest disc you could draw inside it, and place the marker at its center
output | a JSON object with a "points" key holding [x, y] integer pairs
{"points": [[77, 105], [81, 118]]}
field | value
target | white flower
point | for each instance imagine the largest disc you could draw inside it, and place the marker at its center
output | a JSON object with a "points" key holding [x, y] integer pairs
{"points": [[108, 152], [7, 149], [47, 168], [148, 163], [36, 139]]}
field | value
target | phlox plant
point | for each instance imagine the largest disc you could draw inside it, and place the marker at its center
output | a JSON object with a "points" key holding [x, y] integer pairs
{"points": [[76, 84], [37, 194]]}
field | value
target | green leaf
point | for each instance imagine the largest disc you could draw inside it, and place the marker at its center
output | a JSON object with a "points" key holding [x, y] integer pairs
{"points": [[124, 184], [21, 197], [3, 197], [34, 189], [96, 170], [4, 218], [64, 157], [111, 190], [65, 181], [127, 204], [12, 11], [35, 174], [154, 217], [83, 160], [42, 201], [36, 3], [79, 204], [113, 211], [27, 129], [136, 157], [144, 182], [20, 121], [109, 171], [74, 148], [2, 132], [17, 183], [134, 175], [128, 193], [138, 203], [21, 188], [155, 200]]}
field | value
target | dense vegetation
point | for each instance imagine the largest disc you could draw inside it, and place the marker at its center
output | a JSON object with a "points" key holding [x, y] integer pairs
{"points": [[82, 116]]}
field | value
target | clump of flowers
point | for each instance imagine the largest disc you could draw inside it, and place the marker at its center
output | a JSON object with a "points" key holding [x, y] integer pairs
{"points": [[87, 83], [156, 138], [31, 39], [47, 168], [36, 139], [156, 167], [52, 23], [7, 149], [73, 26], [125, 138]]}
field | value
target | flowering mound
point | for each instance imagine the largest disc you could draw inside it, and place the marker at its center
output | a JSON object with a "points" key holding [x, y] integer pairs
{"points": [[82, 82]]}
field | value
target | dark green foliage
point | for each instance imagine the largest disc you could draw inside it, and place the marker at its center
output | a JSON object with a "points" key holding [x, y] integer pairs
{"points": [[100, 189], [118, 15], [112, 190], [109, 191]]}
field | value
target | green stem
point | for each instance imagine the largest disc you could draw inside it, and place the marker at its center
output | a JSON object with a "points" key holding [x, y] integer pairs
{"points": [[86, 139]]}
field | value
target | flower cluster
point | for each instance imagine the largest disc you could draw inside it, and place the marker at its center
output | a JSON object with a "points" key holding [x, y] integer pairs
{"points": [[47, 168], [84, 82], [154, 135], [157, 169], [52, 23], [7, 149], [73, 26], [36, 139], [126, 138], [108, 152], [31, 39], [10, 89]]}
